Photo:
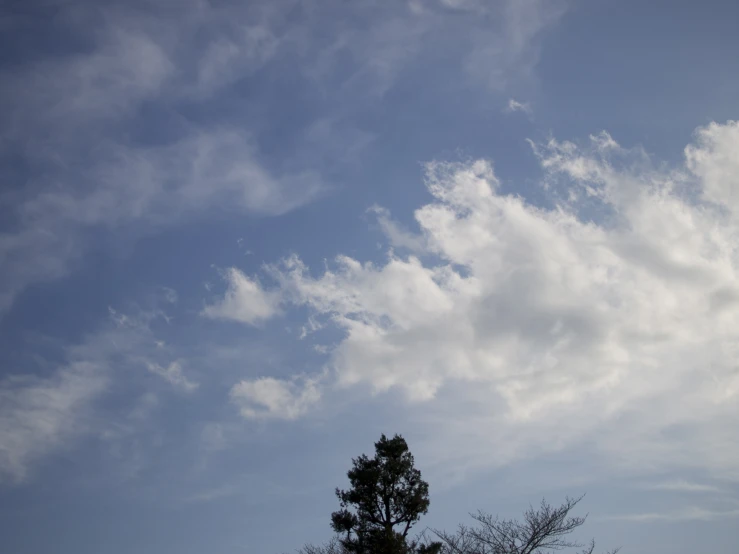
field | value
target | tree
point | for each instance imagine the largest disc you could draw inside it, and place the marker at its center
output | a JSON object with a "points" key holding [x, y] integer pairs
{"points": [[387, 497], [333, 546], [542, 530]]}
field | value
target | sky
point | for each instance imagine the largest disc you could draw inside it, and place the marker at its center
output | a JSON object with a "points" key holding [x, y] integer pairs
{"points": [[240, 240]]}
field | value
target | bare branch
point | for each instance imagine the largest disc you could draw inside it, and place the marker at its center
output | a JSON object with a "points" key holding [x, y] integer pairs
{"points": [[542, 529]]}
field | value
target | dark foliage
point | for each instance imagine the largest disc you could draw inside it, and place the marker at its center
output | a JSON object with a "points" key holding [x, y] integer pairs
{"points": [[387, 497]]}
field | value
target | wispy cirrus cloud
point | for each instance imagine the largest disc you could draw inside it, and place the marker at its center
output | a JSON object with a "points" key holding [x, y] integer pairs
{"points": [[43, 414], [516, 106], [681, 485], [692, 513], [510, 55], [77, 113], [136, 190], [70, 117], [39, 415], [173, 374]]}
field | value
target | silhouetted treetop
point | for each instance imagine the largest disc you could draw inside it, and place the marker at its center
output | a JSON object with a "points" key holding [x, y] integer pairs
{"points": [[386, 498]]}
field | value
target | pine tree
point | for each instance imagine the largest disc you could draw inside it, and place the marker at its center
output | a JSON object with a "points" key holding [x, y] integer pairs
{"points": [[387, 497]]}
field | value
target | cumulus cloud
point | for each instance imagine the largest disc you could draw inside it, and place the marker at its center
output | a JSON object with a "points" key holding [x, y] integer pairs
{"points": [[714, 160], [269, 398], [604, 319], [245, 300]]}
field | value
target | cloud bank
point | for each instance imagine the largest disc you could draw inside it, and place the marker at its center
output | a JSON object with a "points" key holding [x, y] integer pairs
{"points": [[606, 318]]}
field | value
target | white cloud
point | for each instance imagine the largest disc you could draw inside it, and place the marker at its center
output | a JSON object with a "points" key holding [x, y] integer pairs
{"points": [[67, 113], [39, 415], [395, 233], [714, 160], [607, 320], [207, 168], [496, 43], [510, 53], [516, 106], [137, 190], [269, 398], [245, 300], [229, 58], [173, 374], [127, 67], [142, 348], [137, 54], [169, 295]]}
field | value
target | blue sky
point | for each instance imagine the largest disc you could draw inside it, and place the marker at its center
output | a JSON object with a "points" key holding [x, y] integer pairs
{"points": [[239, 240]]}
